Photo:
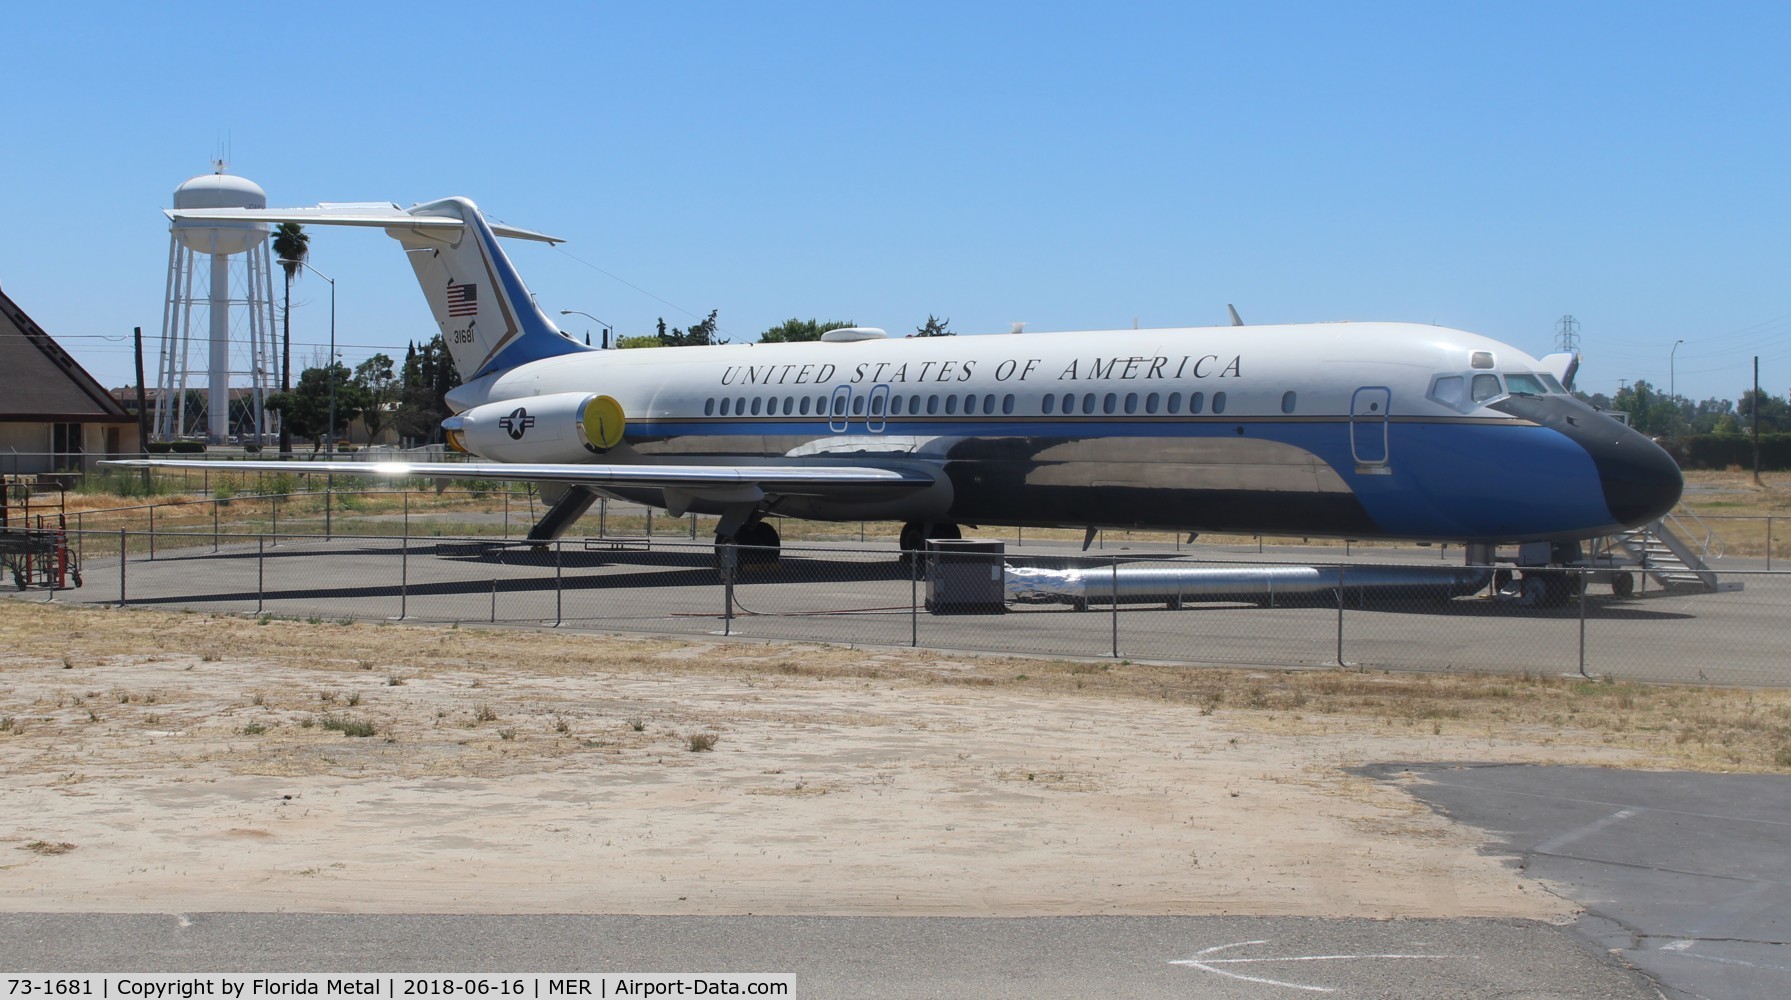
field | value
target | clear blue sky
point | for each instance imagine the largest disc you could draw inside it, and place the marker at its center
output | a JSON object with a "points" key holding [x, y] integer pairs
{"points": [[1488, 167]]}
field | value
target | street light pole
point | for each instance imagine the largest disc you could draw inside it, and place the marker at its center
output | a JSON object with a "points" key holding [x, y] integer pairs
{"points": [[330, 368], [1673, 372], [579, 312]]}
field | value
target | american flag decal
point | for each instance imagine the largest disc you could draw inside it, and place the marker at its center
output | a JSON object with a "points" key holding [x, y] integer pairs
{"points": [[463, 300]]}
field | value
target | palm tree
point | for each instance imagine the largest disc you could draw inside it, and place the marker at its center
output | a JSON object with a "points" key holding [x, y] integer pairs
{"points": [[291, 246]]}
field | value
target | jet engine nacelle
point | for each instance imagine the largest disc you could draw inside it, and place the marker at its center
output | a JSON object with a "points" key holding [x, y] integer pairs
{"points": [[566, 427]]}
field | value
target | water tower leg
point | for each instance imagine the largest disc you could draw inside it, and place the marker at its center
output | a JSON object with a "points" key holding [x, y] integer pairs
{"points": [[218, 373]]}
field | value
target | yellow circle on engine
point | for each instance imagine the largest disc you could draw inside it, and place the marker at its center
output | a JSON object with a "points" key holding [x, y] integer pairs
{"points": [[601, 423]]}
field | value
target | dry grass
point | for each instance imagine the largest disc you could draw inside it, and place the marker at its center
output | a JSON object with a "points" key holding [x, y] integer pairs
{"points": [[1699, 727], [48, 848], [1718, 496]]}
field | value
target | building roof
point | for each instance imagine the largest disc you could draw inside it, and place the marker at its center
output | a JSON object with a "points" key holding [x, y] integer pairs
{"points": [[40, 381]]}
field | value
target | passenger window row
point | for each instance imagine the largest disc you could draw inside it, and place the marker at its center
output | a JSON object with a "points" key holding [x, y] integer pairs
{"points": [[969, 404]]}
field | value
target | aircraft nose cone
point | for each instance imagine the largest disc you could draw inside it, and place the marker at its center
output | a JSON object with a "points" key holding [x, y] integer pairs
{"points": [[1641, 481]]}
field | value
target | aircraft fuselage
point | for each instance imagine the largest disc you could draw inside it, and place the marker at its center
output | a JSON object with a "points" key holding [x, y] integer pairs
{"points": [[1357, 430]]}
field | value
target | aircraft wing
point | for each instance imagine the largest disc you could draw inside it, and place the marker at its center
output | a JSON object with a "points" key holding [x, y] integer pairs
{"points": [[358, 213], [786, 480]]}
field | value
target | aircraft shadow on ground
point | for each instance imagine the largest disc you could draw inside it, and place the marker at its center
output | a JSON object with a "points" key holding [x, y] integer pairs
{"points": [[685, 568]]}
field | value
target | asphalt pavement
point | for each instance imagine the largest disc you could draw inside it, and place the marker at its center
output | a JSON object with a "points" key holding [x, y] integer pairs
{"points": [[874, 958], [1686, 876]]}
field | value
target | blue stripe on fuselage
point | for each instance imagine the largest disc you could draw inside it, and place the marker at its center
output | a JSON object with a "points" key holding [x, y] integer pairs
{"points": [[1464, 481]]}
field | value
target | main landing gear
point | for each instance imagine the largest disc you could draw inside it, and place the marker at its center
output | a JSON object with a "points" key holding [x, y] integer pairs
{"points": [[916, 534], [755, 544]]}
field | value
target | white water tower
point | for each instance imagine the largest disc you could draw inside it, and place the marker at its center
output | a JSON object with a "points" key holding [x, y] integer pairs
{"points": [[235, 307]]}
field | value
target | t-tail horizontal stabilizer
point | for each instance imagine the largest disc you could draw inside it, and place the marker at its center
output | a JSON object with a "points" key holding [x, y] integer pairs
{"points": [[485, 313]]}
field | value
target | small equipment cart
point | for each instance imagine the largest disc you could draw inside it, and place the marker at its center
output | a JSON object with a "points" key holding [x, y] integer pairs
{"points": [[34, 535]]}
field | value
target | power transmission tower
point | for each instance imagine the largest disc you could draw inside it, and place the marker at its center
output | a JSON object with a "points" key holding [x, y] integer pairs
{"points": [[1567, 335]]}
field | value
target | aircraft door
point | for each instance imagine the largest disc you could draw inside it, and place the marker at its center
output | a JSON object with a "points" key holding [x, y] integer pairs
{"points": [[1368, 426], [841, 409], [878, 413]]}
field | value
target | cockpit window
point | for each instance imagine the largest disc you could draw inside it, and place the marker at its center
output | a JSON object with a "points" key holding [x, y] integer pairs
{"points": [[1450, 390], [1550, 381], [1524, 382], [1486, 387]]}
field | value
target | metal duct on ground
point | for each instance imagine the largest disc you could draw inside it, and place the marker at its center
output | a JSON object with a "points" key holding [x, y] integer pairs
{"points": [[1175, 585]]}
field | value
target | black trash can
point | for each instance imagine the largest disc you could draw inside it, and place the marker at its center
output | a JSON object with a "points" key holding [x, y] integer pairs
{"points": [[966, 577]]}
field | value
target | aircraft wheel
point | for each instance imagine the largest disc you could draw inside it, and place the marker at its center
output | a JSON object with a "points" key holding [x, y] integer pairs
{"points": [[916, 534], [911, 540], [1623, 584], [1532, 590], [1544, 589], [759, 544]]}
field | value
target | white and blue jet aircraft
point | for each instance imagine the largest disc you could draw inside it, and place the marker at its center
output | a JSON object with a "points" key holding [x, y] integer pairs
{"points": [[1353, 430]]}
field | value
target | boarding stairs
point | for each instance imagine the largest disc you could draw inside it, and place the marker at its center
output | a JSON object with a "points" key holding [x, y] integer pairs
{"points": [[1676, 551]]}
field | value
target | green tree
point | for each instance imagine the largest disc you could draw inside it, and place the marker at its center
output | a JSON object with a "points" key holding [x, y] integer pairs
{"points": [[934, 327], [699, 335], [424, 381], [1707, 416], [1649, 411], [378, 383], [292, 245], [794, 330], [646, 340], [1774, 415], [306, 409]]}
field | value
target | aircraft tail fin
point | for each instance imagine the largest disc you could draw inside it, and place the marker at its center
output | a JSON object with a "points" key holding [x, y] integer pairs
{"points": [[485, 313]]}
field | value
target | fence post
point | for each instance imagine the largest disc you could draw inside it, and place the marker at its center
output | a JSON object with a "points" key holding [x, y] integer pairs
{"points": [[729, 556], [123, 552], [407, 512], [214, 524], [602, 517], [260, 572], [506, 521], [913, 598], [1582, 576], [1769, 543], [403, 578], [1115, 596], [693, 520], [1340, 590], [559, 588], [494, 600], [649, 522], [328, 530], [152, 532], [276, 519], [80, 538]]}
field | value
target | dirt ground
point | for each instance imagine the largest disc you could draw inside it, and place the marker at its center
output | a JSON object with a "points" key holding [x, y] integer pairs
{"points": [[179, 762]]}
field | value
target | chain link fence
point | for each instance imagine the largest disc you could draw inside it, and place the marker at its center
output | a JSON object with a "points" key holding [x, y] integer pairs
{"points": [[1376, 609]]}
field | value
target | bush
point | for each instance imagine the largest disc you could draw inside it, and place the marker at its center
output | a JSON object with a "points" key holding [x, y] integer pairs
{"points": [[1722, 451], [160, 447], [349, 727], [186, 447]]}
